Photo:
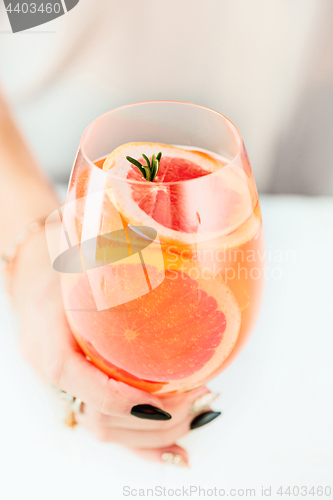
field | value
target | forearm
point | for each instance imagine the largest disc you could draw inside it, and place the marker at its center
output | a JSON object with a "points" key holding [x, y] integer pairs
{"points": [[25, 194]]}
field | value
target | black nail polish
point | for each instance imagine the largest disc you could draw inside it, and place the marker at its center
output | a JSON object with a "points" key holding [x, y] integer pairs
{"points": [[204, 418], [150, 412]]}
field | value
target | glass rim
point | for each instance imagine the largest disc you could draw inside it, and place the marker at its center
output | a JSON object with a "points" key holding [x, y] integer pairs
{"points": [[81, 148]]}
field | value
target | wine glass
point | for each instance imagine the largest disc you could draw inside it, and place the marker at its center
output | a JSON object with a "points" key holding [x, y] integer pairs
{"points": [[160, 245]]}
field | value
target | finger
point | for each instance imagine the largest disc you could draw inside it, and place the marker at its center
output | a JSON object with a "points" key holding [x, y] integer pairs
{"points": [[79, 377], [178, 406], [67, 368], [90, 418], [137, 438], [174, 454]]}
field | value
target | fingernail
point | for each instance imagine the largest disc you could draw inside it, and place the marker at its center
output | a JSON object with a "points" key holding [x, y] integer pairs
{"points": [[173, 458], [204, 418], [150, 412], [203, 402]]}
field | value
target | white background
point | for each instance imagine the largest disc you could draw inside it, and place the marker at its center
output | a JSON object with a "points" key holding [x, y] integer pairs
{"points": [[276, 398]]}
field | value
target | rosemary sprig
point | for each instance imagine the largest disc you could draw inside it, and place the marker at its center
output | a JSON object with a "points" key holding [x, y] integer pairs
{"points": [[149, 171]]}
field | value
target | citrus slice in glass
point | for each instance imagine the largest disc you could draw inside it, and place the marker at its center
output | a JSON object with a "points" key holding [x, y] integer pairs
{"points": [[172, 338], [179, 211]]}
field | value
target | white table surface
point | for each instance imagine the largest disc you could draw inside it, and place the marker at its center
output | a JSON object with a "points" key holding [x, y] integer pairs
{"points": [[276, 398]]}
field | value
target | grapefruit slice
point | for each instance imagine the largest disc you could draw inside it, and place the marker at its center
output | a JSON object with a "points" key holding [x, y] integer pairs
{"points": [[114, 372], [200, 209], [176, 163], [174, 337]]}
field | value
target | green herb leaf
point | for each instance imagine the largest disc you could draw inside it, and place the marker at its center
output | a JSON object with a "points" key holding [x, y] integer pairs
{"points": [[153, 170], [150, 170], [147, 160], [137, 164], [157, 167], [148, 173]]}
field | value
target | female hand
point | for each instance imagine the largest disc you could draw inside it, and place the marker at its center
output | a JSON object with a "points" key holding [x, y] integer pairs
{"points": [[48, 344]]}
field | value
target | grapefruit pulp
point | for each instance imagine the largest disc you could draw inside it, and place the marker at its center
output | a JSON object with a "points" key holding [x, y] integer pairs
{"points": [[181, 331]]}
